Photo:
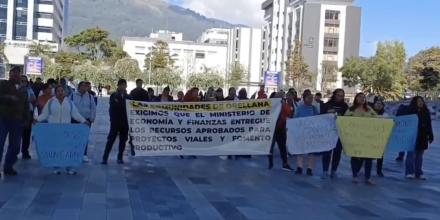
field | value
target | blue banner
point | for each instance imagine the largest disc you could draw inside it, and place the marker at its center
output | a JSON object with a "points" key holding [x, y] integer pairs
{"points": [[60, 145], [404, 134], [271, 78]]}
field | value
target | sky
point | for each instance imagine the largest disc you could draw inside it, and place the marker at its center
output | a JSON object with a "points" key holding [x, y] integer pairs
{"points": [[415, 23]]}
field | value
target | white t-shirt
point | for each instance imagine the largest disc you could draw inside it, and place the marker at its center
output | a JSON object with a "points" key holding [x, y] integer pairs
{"points": [[56, 112]]}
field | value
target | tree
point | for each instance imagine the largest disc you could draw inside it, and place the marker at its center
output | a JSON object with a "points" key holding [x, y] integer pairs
{"points": [[237, 73], [52, 70], [329, 76], [67, 60], [422, 69], [85, 71], [158, 58], [127, 68], [297, 70], [167, 77], [206, 79], [39, 49], [93, 43], [382, 74]]}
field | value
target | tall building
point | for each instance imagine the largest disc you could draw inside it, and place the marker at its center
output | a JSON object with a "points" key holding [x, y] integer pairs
{"points": [[328, 30], [23, 22], [244, 48], [190, 57]]}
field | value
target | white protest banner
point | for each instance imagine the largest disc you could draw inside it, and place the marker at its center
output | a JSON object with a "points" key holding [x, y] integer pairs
{"points": [[203, 128], [311, 134]]}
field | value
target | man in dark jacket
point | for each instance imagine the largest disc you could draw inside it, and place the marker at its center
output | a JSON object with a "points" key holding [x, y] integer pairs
{"points": [[14, 114], [118, 122], [139, 93]]}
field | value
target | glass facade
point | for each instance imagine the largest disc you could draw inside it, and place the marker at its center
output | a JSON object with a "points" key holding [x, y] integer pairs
{"points": [[3, 19], [21, 16]]}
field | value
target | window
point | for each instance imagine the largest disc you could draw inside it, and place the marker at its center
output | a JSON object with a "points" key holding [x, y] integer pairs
{"points": [[330, 42], [21, 3], [200, 55], [238, 32], [44, 15], [139, 47], [330, 52], [2, 28], [331, 15], [43, 29], [21, 15], [236, 45]]}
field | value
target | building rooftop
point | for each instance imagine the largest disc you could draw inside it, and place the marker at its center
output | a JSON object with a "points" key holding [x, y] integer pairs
{"points": [[148, 39]]}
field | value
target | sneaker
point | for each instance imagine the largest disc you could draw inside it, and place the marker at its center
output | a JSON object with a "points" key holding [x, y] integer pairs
{"points": [[57, 172], [86, 159], [380, 174], [26, 157], [421, 177], [410, 176], [10, 172], [399, 158], [287, 168], [133, 153], [270, 164], [299, 171], [370, 182], [355, 180], [71, 172], [324, 175], [120, 161], [333, 175], [309, 172]]}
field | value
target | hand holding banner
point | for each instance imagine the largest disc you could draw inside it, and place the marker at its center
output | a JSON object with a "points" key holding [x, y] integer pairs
{"points": [[60, 145], [364, 137], [311, 134], [404, 134]]}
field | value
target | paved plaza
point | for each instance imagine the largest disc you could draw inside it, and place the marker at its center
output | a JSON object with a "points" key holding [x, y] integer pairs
{"points": [[212, 188]]}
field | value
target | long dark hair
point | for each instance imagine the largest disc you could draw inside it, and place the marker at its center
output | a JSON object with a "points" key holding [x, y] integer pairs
{"points": [[414, 108], [356, 105], [333, 98]]}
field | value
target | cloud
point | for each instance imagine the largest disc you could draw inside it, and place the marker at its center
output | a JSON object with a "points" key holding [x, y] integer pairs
{"points": [[247, 12]]}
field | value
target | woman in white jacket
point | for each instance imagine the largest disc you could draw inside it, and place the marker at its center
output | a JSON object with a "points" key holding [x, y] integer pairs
{"points": [[60, 109]]}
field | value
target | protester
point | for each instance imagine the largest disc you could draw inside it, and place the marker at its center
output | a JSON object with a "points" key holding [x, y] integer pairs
{"points": [[86, 106], [67, 89], [280, 135], [165, 96], [242, 94], [60, 109], [318, 101], [151, 95], [336, 105], [305, 110], [14, 113], [44, 98], [139, 93], [360, 108], [219, 95], [232, 94], [100, 90], [180, 96], [118, 122], [210, 95], [26, 138], [192, 95], [262, 93], [91, 92], [37, 86], [379, 108], [425, 136]]}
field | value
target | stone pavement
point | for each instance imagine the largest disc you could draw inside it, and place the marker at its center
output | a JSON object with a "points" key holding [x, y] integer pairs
{"points": [[212, 188]]}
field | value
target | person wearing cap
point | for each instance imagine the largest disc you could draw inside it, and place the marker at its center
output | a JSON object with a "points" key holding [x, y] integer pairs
{"points": [[118, 122]]}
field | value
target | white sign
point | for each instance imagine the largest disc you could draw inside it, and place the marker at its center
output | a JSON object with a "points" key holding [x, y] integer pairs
{"points": [[203, 128], [311, 134]]}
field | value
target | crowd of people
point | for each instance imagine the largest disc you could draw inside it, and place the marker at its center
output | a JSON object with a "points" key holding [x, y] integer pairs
{"points": [[24, 104]]}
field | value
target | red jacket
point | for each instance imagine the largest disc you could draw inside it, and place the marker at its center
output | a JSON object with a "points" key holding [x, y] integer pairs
{"points": [[286, 113]]}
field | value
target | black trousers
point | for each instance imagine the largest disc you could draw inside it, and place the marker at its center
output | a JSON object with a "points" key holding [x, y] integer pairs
{"points": [[356, 165], [116, 130], [379, 165], [280, 137], [26, 139], [334, 156]]}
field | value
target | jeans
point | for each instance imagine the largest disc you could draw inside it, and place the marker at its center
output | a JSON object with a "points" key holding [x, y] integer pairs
{"points": [[356, 165], [335, 158], [414, 162], [280, 137], [26, 139], [123, 136], [13, 128]]}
